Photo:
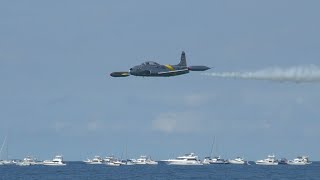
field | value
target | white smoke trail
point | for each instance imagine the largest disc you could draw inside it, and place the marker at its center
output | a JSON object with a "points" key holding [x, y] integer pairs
{"points": [[298, 74]]}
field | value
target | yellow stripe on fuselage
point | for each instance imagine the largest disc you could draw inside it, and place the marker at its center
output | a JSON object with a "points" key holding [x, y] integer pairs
{"points": [[169, 67]]}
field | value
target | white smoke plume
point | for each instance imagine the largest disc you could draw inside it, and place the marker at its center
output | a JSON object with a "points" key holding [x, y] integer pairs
{"points": [[298, 74]]}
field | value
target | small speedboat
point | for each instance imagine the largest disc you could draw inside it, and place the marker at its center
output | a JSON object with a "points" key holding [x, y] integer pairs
{"points": [[112, 161], [218, 160], [283, 161], [95, 160], [128, 162], [268, 161], [144, 160], [206, 160], [27, 161], [300, 160], [237, 160]]}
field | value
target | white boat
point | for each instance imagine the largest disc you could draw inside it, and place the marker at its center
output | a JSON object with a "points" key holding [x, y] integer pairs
{"points": [[269, 161], [237, 160], [109, 158], [56, 161], [300, 160], [283, 161], [27, 161], [206, 160], [128, 162], [115, 163], [8, 162], [187, 159], [144, 160], [87, 161], [95, 160], [218, 160], [112, 161]]}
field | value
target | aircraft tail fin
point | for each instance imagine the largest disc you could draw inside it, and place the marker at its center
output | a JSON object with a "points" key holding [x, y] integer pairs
{"points": [[183, 60]]}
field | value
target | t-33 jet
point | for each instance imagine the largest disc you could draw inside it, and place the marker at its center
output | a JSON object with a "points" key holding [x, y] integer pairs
{"points": [[153, 69]]}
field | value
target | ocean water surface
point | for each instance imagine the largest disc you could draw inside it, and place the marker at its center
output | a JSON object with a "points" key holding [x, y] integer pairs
{"points": [[79, 171]]}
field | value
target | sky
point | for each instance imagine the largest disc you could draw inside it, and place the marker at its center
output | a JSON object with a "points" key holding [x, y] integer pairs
{"points": [[57, 97]]}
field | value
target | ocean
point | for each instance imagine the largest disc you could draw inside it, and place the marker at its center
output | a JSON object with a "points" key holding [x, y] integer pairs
{"points": [[79, 171]]}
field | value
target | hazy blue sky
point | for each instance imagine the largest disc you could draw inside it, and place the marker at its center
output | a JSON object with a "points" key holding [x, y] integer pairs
{"points": [[56, 94]]}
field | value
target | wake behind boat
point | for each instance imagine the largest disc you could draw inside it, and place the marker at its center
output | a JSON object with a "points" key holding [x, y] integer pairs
{"points": [[187, 159]]}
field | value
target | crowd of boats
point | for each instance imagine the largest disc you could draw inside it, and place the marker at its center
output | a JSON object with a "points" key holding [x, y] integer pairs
{"points": [[28, 161], [192, 159], [187, 159], [112, 161]]}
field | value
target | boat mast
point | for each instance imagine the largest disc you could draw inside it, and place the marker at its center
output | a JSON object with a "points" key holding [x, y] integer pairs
{"points": [[4, 141], [214, 138], [7, 149], [126, 152]]}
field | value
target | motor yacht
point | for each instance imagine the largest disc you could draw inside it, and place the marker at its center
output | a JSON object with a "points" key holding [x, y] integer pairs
{"points": [[237, 160], [268, 161], [145, 160], [8, 162], [128, 162], [109, 158], [218, 160], [206, 160], [115, 163], [27, 161], [56, 161], [187, 159], [283, 161], [112, 161], [95, 160], [300, 160]]}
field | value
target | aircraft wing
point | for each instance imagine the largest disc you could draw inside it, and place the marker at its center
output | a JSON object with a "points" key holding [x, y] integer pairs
{"points": [[173, 72]]}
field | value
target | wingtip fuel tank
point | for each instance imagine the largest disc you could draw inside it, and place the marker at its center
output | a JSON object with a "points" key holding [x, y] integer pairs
{"points": [[198, 68], [120, 74]]}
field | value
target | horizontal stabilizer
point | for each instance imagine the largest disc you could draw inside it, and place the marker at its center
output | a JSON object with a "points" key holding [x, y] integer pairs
{"points": [[120, 74]]}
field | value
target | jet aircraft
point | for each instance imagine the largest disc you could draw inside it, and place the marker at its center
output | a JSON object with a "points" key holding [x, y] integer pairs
{"points": [[153, 69]]}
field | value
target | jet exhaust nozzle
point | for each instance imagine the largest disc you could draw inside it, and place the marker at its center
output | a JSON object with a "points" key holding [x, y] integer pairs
{"points": [[198, 68]]}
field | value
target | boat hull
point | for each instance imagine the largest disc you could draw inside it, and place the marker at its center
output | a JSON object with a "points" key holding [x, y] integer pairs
{"points": [[267, 164], [53, 164], [183, 163], [236, 162]]}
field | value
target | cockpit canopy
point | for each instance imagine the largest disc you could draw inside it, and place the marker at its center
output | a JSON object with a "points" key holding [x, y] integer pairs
{"points": [[149, 63]]}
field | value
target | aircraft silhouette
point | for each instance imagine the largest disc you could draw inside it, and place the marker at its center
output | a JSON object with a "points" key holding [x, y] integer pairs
{"points": [[153, 69]]}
